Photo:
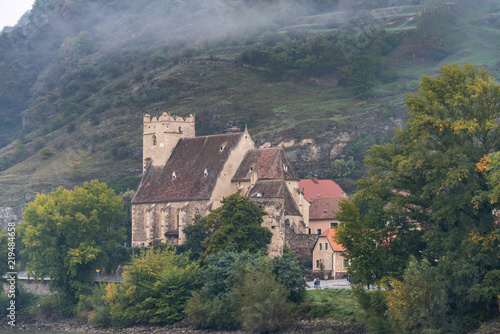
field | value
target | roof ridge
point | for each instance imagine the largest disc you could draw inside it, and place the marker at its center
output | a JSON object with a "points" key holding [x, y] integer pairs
{"points": [[216, 135]]}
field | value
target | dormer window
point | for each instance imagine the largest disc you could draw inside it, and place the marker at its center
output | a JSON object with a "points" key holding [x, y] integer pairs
{"points": [[174, 175], [221, 148], [251, 168], [205, 172], [154, 140], [285, 168]]}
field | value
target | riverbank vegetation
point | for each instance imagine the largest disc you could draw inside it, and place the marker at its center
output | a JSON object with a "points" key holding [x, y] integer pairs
{"points": [[424, 224]]}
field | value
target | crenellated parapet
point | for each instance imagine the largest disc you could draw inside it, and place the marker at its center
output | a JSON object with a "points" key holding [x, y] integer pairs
{"points": [[161, 134], [166, 117]]}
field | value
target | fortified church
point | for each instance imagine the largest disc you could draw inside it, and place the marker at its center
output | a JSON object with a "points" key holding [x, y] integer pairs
{"points": [[185, 175]]}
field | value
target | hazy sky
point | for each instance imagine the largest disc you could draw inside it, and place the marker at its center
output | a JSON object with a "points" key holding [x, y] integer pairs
{"points": [[12, 10]]}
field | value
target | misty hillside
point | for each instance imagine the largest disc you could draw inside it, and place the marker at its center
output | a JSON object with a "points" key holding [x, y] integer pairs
{"points": [[325, 79]]}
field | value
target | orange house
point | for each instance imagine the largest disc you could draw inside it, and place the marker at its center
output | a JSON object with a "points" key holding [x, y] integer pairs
{"points": [[327, 257]]}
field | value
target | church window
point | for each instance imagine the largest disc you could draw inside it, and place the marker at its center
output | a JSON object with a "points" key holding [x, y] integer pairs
{"points": [[174, 175], [180, 129], [154, 140]]}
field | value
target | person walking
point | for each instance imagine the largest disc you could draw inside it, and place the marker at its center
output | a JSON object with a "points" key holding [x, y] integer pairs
{"points": [[317, 283]]}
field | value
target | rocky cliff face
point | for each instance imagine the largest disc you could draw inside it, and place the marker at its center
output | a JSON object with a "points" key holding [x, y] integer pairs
{"points": [[9, 214]]}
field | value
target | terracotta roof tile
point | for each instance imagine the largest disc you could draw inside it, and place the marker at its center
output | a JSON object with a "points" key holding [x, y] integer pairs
{"points": [[330, 234], [324, 208], [189, 160], [270, 163], [314, 189]]}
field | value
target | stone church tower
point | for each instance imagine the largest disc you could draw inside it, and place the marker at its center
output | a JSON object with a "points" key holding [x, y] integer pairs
{"points": [[160, 135]]}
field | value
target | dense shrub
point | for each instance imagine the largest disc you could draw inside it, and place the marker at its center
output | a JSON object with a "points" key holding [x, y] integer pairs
{"points": [[23, 299], [246, 290], [337, 304], [263, 302], [324, 53], [47, 152], [93, 308], [374, 306], [219, 312], [418, 303], [361, 75], [156, 288], [435, 31]]}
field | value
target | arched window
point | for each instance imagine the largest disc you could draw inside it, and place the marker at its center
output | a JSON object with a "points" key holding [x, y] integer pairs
{"points": [[154, 140]]}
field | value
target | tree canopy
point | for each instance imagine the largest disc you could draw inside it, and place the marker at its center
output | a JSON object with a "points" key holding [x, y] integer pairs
{"points": [[69, 234], [236, 225], [432, 192], [157, 285]]}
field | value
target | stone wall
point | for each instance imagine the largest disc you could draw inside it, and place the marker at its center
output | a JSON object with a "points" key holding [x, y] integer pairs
{"points": [[34, 286], [9, 214], [150, 222], [301, 244]]}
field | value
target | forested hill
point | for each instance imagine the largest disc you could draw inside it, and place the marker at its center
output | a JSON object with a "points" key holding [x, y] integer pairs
{"points": [[325, 79]]}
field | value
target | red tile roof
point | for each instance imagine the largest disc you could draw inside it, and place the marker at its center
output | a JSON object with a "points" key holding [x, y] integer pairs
{"points": [[314, 189], [330, 234], [269, 163], [324, 208], [189, 160]]}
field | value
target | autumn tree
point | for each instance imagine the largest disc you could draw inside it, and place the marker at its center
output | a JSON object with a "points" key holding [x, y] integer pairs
{"points": [[435, 186], [417, 304], [68, 234]]}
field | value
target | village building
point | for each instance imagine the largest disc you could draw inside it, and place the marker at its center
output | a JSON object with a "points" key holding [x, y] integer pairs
{"points": [[185, 175], [324, 197], [327, 256]]}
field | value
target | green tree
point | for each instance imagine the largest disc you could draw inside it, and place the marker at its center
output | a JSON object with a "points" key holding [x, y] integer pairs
{"points": [[435, 28], [435, 187], [68, 234], [361, 75], [237, 225], [156, 288], [196, 234], [369, 236], [417, 304], [246, 290], [264, 305]]}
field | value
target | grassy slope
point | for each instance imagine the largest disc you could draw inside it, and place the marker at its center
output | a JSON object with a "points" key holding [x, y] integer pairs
{"points": [[276, 109]]}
